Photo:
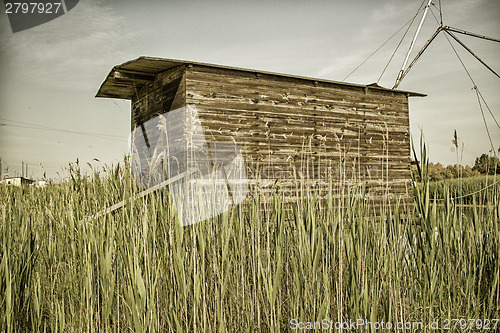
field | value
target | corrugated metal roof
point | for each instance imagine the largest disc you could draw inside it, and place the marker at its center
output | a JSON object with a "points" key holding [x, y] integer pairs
{"points": [[124, 80]]}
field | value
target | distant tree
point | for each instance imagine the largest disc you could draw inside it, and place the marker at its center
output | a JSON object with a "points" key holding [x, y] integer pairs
{"points": [[453, 171], [469, 172], [435, 171], [486, 164], [438, 172]]}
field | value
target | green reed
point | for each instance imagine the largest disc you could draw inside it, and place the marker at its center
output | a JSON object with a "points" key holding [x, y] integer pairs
{"points": [[253, 268]]}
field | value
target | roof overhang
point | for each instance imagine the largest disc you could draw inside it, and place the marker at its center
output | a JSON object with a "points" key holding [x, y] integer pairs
{"points": [[125, 80]]}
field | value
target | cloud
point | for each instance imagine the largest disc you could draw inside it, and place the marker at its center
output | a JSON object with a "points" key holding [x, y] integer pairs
{"points": [[63, 52]]}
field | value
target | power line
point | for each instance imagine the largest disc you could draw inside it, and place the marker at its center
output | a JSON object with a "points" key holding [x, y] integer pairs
{"points": [[361, 64], [470, 194], [477, 93], [101, 136], [32, 164], [491, 113], [57, 129], [402, 38], [20, 124], [470, 51]]}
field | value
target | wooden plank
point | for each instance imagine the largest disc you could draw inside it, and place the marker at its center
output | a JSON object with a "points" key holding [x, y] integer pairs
{"points": [[239, 110], [306, 89], [128, 76], [270, 91], [140, 195], [298, 104], [287, 80]]}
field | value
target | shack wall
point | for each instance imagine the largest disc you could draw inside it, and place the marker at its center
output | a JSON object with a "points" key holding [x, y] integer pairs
{"points": [[292, 132], [167, 92], [149, 138], [305, 132]]}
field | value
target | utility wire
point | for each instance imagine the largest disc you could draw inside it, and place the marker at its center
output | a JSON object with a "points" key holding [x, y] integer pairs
{"points": [[361, 64], [57, 129], [469, 194], [470, 51], [101, 136], [32, 165], [477, 93], [401, 41], [440, 21], [432, 12], [484, 119], [491, 113], [20, 124]]}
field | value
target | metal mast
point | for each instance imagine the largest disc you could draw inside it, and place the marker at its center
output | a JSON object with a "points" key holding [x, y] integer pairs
{"points": [[398, 80]]}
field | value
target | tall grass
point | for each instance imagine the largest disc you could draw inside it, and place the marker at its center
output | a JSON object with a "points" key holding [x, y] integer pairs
{"points": [[249, 269], [485, 189]]}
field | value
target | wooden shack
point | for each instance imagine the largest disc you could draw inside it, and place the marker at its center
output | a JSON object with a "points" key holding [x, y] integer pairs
{"points": [[292, 131]]}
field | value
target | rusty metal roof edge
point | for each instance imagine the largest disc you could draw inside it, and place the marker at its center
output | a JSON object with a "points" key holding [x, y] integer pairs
{"points": [[185, 62]]}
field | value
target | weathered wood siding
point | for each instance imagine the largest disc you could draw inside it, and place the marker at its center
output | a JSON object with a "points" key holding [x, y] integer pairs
{"points": [[167, 92], [293, 132], [305, 132]]}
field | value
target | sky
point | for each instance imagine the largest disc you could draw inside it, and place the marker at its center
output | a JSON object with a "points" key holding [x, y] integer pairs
{"points": [[49, 74]]}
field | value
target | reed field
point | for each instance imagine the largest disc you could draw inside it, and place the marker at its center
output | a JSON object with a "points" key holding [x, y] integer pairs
{"points": [[255, 268], [461, 188]]}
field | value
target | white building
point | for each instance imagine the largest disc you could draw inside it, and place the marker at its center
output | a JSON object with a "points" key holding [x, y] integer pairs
{"points": [[16, 181]]}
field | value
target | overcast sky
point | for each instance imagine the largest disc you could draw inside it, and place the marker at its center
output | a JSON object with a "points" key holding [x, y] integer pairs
{"points": [[51, 73]]}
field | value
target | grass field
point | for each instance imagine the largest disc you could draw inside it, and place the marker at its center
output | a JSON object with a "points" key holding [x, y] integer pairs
{"points": [[249, 269], [462, 188]]}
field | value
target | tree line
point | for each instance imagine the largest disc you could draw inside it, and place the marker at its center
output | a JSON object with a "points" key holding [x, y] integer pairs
{"points": [[483, 165]]}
